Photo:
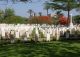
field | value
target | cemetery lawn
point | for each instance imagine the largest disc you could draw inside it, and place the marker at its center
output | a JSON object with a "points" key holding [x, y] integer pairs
{"points": [[41, 49]]}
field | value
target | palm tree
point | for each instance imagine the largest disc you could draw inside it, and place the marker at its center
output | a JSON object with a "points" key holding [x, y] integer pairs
{"points": [[46, 7], [34, 14], [30, 12], [40, 13]]}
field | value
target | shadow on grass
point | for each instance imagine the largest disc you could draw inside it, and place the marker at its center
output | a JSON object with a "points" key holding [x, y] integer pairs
{"points": [[41, 49]]}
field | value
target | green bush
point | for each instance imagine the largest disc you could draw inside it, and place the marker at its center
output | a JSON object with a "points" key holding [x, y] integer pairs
{"points": [[14, 20]]}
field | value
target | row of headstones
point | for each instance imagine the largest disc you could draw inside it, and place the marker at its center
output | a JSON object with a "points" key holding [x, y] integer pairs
{"points": [[51, 32], [6, 31], [58, 31], [17, 31], [22, 29]]}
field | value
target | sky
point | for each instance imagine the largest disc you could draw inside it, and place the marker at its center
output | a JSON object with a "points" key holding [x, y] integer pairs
{"points": [[37, 6]]}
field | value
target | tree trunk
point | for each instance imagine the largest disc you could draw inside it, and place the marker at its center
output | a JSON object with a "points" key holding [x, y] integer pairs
{"points": [[30, 14], [68, 16], [47, 12], [68, 12], [40, 14], [34, 14]]}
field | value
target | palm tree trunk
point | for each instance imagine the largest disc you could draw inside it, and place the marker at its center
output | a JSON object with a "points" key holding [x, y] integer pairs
{"points": [[34, 14], [68, 12], [30, 14], [47, 12], [68, 15]]}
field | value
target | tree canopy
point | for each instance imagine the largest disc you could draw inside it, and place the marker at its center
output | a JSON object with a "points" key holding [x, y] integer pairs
{"points": [[14, 1], [77, 19], [8, 16], [46, 7], [14, 20], [9, 12], [66, 5]]}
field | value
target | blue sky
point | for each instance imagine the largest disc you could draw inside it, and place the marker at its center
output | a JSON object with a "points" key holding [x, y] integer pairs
{"points": [[22, 8]]}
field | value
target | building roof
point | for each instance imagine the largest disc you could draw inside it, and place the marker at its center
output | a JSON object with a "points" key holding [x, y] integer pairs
{"points": [[43, 19]]}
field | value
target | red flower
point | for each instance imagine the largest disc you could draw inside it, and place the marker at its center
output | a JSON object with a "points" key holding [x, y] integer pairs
{"points": [[63, 20]]}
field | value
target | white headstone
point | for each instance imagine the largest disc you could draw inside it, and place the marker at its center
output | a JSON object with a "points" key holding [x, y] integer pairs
{"points": [[58, 34], [48, 37], [3, 33], [17, 34]]}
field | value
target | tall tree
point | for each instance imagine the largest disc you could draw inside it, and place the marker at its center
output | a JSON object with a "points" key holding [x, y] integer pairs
{"points": [[34, 14], [40, 13], [66, 5], [46, 7], [30, 12]]}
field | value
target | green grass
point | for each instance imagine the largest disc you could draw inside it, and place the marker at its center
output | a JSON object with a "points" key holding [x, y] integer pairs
{"points": [[41, 49]]}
